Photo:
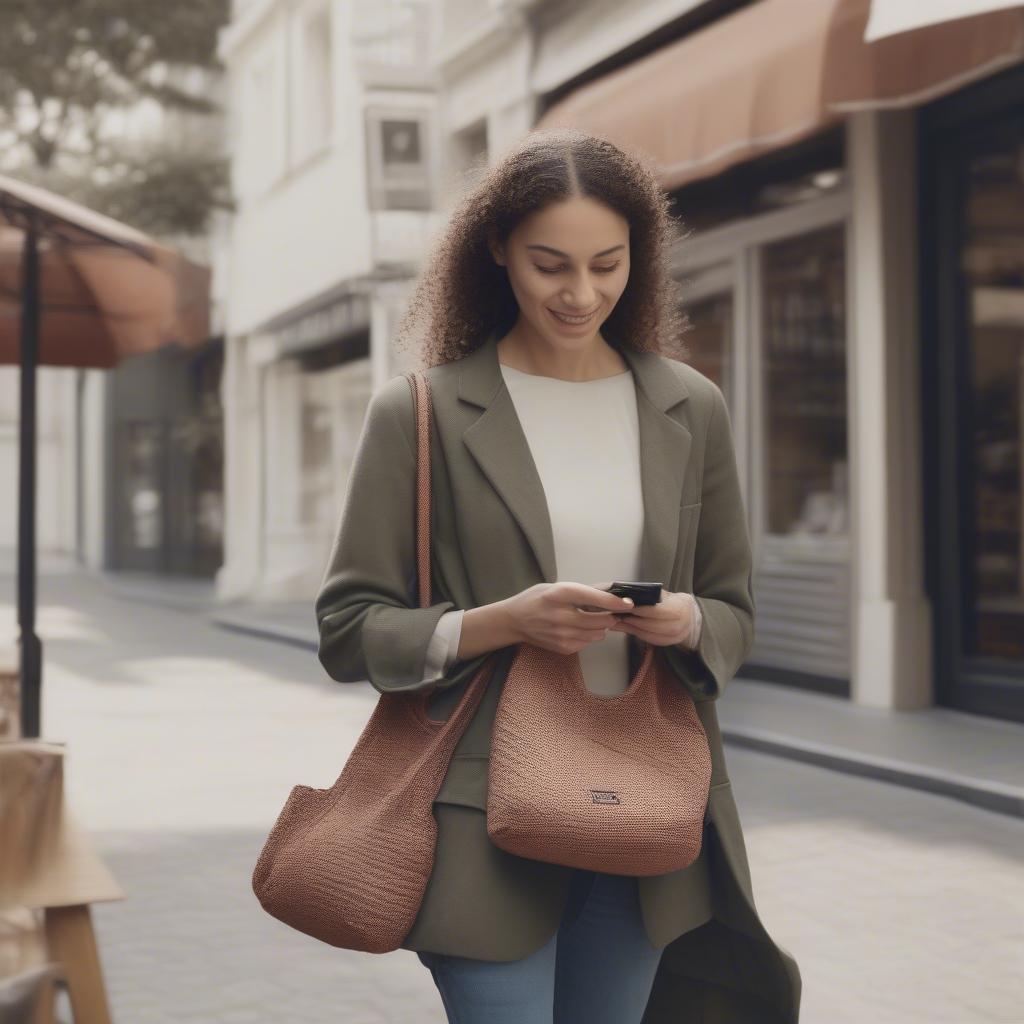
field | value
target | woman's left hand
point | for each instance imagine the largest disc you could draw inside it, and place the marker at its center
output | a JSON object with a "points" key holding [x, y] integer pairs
{"points": [[670, 621]]}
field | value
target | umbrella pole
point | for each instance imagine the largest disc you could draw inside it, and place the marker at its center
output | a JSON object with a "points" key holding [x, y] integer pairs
{"points": [[31, 648]]}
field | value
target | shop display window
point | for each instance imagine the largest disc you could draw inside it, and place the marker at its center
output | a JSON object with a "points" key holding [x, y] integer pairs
{"points": [[803, 310], [992, 269], [709, 338]]}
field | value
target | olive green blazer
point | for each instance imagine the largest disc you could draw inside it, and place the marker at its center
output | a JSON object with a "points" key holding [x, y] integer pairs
{"points": [[491, 538]]}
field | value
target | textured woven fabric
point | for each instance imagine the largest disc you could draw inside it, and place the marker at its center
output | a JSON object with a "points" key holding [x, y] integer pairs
{"points": [[349, 865], [613, 784]]}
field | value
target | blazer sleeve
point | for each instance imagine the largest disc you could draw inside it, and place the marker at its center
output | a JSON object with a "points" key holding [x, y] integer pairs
{"points": [[367, 610], [722, 568]]}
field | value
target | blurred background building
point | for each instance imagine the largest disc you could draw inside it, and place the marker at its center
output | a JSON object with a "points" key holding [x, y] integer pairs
{"points": [[854, 278], [855, 283], [129, 459], [854, 271], [151, 431], [335, 159]]}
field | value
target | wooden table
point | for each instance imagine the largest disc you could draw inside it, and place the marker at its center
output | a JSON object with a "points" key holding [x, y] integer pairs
{"points": [[49, 869]]}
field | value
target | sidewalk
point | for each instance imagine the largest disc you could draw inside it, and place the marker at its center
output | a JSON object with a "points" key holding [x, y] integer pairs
{"points": [[968, 757], [186, 737]]}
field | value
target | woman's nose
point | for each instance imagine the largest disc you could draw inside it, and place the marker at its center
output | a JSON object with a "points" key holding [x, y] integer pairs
{"points": [[580, 295]]}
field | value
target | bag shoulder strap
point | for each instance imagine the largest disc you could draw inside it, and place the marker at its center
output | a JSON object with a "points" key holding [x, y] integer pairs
{"points": [[421, 405]]}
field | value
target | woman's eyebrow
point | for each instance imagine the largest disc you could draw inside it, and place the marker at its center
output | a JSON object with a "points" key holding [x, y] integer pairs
{"points": [[558, 252]]}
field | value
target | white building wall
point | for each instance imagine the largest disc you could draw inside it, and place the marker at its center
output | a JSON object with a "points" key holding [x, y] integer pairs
{"points": [[55, 454], [302, 222], [300, 227], [241, 398], [891, 614], [94, 468], [304, 228]]}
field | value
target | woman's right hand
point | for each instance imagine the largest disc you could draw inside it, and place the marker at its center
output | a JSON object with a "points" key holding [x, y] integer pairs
{"points": [[549, 615]]}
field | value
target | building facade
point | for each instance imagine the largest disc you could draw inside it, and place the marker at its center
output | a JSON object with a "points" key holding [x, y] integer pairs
{"points": [[150, 430], [853, 277], [130, 458], [334, 165], [852, 268]]}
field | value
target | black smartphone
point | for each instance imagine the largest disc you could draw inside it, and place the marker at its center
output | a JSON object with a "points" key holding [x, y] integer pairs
{"points": [[639, 592]]}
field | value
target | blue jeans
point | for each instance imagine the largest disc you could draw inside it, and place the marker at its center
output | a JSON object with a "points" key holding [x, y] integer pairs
{"points": [[598, 968]]}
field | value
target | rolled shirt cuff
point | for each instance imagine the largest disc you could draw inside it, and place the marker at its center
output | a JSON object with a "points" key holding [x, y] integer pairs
{"points": [[442, 651], [696, 624]]}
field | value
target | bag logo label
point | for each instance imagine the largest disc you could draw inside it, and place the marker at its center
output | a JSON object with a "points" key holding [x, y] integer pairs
{"points": [[605, 796]]}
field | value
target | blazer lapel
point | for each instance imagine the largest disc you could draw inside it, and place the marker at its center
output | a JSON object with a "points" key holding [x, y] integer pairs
{"points": [[665, 445], [498, 444]]}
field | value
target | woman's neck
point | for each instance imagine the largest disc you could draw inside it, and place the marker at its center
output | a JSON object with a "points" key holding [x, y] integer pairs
{"points": [[599, 360]]}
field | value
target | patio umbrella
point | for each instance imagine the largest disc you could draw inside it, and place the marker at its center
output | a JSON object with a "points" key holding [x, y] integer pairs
{"points": [[78, 289]]}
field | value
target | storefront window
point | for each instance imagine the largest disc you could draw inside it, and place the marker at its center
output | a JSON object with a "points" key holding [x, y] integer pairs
{"points": [[992, 264], [709, 338], [803, 304]]}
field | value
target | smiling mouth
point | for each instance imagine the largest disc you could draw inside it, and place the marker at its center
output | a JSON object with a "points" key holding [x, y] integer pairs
{"points": [[570, 318]]}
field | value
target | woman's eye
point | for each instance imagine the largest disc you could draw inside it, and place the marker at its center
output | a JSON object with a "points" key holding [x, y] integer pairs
{"points": [[556, 270]]}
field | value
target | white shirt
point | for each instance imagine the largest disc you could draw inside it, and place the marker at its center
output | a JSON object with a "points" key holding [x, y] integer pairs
{"points": [[585, 440]]}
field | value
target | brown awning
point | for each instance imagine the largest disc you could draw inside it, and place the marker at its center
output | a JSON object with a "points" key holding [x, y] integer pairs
{"points": [[107, 291], [889, 17], [915, 66], [773, 73]]}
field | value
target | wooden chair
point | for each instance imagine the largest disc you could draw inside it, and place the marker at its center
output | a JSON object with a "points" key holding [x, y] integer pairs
{"points": [[49, 871]]}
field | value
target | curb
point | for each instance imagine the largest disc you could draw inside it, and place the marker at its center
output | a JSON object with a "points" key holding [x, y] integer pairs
{"points": [[989, 796], [282, 634]]}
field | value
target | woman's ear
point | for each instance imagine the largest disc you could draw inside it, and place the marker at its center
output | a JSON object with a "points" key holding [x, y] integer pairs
{"points": [[497, 250]]}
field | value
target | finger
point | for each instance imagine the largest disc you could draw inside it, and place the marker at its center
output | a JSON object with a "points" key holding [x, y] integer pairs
{"points": [[590, 635], [652, 611], [594, 597], [646, 627], [647, 635]]}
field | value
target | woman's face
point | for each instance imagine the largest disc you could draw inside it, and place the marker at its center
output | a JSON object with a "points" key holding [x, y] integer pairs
{"points": [[567, 265]]}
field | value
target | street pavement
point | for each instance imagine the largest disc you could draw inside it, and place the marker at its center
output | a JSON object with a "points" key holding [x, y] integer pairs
{"points": [[184, 740]]}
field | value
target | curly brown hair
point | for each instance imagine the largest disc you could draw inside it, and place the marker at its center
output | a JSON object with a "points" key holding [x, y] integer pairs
{"points": [[462, 294]]}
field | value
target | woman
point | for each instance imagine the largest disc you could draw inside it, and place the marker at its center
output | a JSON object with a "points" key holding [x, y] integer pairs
{"points": [[566, 446]]}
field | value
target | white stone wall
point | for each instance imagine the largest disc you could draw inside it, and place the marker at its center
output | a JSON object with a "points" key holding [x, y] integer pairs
{"points": [[55, 458], [302, 223], [303, 228]]}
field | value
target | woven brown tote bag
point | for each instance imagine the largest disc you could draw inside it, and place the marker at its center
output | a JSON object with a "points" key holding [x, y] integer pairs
{"points": [[349, 865], [611, 784]]}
